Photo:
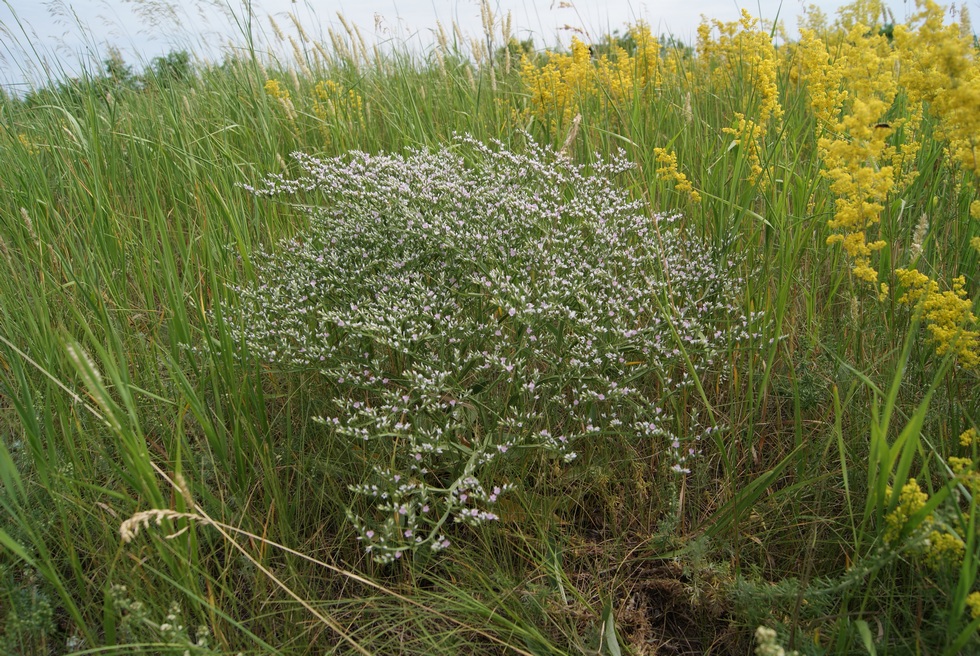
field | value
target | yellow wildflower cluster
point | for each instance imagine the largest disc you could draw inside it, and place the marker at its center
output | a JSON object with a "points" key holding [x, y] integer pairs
{"points": [[943, 548], [968, 437], [557, 86], [26, 143], [668, 169], [854, 134], [870, 97], [824, 80], [973, 603], [941, 67], [749, 135], [743, 48], [333, 106], [948, 315], [276, 90], [744, 52], [910, 501], [566, 81], [963, 469]]}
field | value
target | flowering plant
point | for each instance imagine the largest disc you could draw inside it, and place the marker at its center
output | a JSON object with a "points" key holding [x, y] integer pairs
{"points": [[470, 303]]}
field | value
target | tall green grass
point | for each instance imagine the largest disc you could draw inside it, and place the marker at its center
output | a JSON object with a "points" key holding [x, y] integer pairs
{"points": [[123, 230]]}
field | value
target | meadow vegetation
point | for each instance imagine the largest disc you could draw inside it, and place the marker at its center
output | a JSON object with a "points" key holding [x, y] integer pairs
{"points": [[635, 347]]}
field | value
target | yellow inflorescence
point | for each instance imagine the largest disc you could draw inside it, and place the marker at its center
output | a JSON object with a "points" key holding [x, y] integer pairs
{"points": [[854, 144], [941, 67], [749, 135], [26, 143], [948, 315], [910, 500], [558, 86], [332, 105], [744, 52], [973, 603], [824, 79], [275, 89], [943, 548], [965, 472], [668, 169], [567, 81]]}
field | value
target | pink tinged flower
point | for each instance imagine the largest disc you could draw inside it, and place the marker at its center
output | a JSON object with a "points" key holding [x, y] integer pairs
{"points": [[425, 508], [369, 534]]}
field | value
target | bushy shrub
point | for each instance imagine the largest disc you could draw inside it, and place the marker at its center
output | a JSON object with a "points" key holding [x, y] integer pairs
{"points": [[471, 303]]}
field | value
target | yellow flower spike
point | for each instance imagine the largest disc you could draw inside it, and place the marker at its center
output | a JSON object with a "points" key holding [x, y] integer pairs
{"points": [[851, 90], [973, 603], [960, 466], [275, 89], [968, 437], [945, 550], [668, 169], [965, 472], [567, 81], [26, 143], [910, 500], [941, 69], [948, 315]]}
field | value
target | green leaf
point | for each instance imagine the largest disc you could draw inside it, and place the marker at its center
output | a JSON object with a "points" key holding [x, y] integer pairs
{"points": [[865, 632], [609, 629]]}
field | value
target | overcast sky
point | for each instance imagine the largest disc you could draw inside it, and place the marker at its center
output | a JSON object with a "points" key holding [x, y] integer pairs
{"points": [[62, 32]]}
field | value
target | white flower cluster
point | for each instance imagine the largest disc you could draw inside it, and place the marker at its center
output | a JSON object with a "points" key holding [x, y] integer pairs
{"points": [[470, 303]]}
